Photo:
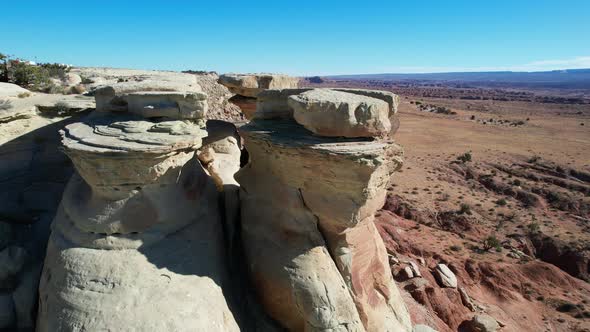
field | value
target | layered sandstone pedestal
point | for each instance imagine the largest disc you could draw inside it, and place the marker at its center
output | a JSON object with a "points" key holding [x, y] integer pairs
{"points": [[247, 87], [308, 201], [137, 243]]}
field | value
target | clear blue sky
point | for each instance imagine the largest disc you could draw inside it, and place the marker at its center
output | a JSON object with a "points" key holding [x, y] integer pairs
{"points": [[301, 37]]}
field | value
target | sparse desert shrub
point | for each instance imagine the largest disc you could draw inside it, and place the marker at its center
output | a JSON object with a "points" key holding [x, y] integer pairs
{"points": [[3, 67], [560, 169], [444, 197], [501, 202], [77, 89], [472, 117], [86, 80], [512, 217], [455, 247], [464, 158], [533, 228], [527, 198], [566, 307], [5, 104], [61, 108], [29, 76], [464, 208], [55, 69], [54, 89], [534, 159], [491, 242]]}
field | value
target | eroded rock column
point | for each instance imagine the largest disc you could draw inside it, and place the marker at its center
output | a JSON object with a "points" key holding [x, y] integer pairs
{"points": [[137, 242], [308, 201]]}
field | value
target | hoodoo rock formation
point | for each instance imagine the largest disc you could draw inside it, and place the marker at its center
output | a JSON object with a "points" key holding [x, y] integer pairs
{"points": [[247, 87], [173, 221], [308, 202], [137, 242]]}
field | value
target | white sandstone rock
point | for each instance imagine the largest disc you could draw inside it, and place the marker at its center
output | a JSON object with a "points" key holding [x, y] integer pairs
{"points": [[483, 323], [415, 269], [71, 79], [423, 328], [407, 272], [175, 105], [9, 90], [137, 240], [333, 113], [445, 276], [313, 251], [273, 103], [138, 96], [466, 299], [389, 97]]}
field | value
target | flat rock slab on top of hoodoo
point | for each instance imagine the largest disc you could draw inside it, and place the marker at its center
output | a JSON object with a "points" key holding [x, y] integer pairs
{"points": [[288, 133], [389, 97], [328, 112], [171, 104], [250, 85], [131, 134], [150, 98]]}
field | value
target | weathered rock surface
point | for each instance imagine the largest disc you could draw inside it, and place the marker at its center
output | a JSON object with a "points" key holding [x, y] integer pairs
{"points": [[445, 276], [12, 260], [71, 79], [334, 113], [140, 205], [220, 155], [33, 174], [153, 99], [250, 85], [482, 323], [11, 90], [217, 95], [220, 108], [43, 105], [423, 328], [389, 97], [274, 103], [314, 255], [25, 298], [466, 299], [247, 105]]}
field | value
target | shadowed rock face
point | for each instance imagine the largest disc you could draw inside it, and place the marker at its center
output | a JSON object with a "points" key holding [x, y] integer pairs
{"points": [[315, 257], [247, 87]]}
